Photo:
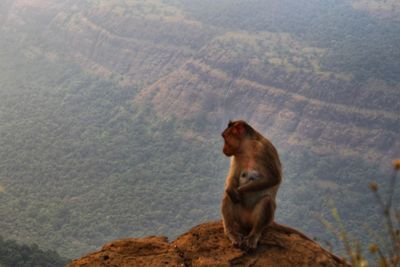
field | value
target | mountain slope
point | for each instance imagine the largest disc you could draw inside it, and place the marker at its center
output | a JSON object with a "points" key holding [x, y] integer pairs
{"points": [[111, 112], [14, 254], [289, 118]]}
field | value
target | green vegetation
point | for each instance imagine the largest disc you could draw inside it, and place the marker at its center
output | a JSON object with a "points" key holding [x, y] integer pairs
{"points": [[13, 254], [82, 169], [380, 9], [356, 42], [276, 49], [91, 153]]}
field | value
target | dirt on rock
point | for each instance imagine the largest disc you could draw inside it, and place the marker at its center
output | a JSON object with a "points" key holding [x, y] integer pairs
{"points": [[206, 245]]}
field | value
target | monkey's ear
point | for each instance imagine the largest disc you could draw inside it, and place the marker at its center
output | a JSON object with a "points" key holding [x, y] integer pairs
{"points": [[239, 129]]}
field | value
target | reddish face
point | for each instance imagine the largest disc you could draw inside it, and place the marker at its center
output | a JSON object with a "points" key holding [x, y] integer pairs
{"points": [[232, 138]]}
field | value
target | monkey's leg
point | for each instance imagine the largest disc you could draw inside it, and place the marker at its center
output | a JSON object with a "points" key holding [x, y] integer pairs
{"points": [[229, 209], [262, 216]]}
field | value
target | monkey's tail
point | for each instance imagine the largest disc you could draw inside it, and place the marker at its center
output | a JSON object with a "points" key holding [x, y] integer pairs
{"points": [[289, 230]]}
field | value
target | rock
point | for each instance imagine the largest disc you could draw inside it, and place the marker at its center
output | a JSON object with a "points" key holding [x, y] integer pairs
{"points": [[206, 245]]}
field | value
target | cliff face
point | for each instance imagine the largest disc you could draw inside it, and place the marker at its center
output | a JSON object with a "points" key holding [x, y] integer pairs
{"points": [[206, 245], [177, 59]]}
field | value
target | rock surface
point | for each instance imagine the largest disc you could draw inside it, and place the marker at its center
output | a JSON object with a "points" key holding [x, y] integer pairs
{"points": [[206, 245]]}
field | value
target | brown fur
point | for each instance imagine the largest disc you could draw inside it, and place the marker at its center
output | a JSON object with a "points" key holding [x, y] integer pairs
{"points": [[249, 208]]}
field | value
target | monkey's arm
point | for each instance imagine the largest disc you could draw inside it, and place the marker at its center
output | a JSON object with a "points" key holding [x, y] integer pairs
{"points": [[259, 184], [232, 188], [233, 195]]}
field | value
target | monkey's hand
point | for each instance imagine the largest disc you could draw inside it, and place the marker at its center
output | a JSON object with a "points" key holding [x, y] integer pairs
{"points": [[234, 195], [241, 190]]}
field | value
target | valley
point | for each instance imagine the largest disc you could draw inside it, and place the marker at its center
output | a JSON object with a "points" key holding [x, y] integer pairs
{"points": [[111, 112]]}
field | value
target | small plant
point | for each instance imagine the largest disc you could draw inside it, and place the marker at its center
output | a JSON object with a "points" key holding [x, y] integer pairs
{"points": [[389, 254]]}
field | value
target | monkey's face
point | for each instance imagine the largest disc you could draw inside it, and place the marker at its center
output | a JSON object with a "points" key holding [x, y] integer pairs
{"points": [[231, 146], [232, 140]]}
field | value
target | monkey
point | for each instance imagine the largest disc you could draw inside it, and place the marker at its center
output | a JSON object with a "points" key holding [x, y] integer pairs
{"points": [[252, 183], [248, 207]]}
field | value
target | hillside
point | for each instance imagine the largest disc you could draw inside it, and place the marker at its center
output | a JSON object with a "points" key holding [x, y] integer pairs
{"points": [[111, 112], [14, 254]]}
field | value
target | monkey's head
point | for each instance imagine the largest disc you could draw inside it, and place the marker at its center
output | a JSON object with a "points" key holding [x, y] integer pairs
{"points": [[233, 136]]}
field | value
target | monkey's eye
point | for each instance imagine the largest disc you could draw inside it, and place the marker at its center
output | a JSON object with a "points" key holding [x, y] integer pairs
{"points": [[243, 174]]}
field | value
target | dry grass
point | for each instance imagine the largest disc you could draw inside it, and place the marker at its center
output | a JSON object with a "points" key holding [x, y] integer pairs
{"points": [[386, 248]]}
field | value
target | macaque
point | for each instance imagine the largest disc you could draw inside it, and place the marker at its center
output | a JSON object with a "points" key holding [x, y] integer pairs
{"points": [[254, 176], [251, 186]]}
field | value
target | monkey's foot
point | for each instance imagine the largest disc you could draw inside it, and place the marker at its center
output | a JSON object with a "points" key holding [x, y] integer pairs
{"points": [[245, 248], [235, 238], [250, 243]]}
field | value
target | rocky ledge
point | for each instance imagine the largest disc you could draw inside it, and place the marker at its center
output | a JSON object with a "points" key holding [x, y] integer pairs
{"points": [[206, 245]]}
